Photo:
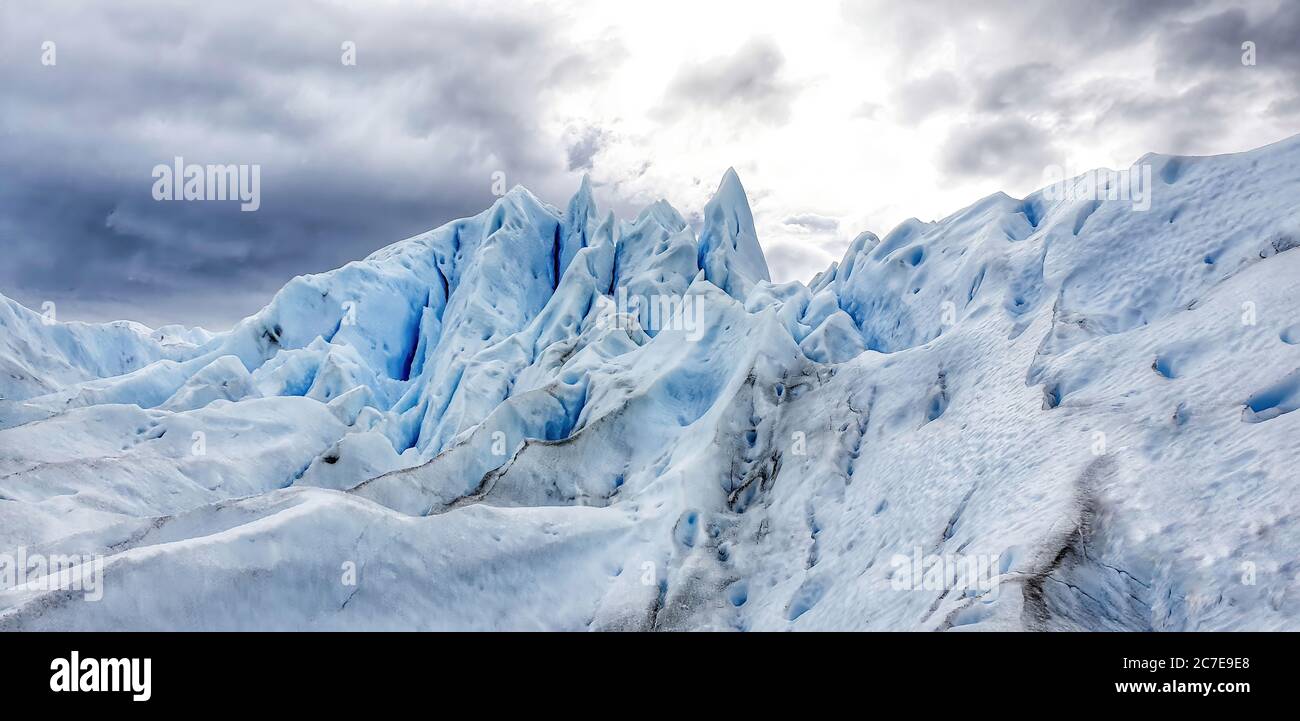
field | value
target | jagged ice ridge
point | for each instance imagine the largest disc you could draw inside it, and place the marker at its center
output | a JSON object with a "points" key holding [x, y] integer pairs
{"points": [[1097, 399]]}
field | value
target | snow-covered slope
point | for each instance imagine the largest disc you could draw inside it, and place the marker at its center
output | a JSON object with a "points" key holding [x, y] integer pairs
{"points": [[39, 355], [544, 418]]}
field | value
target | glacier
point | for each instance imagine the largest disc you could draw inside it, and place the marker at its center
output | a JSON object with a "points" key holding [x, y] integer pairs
{"points": [[488, 426]]}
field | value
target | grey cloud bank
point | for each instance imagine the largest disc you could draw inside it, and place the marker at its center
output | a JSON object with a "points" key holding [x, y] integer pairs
{"points": [[351, 157]]}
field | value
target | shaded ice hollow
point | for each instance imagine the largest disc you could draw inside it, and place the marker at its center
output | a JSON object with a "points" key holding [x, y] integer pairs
{"points": [[491, 427]]}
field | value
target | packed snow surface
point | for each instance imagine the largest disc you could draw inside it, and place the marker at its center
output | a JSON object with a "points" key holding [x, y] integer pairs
{"points": [[546, 418]]}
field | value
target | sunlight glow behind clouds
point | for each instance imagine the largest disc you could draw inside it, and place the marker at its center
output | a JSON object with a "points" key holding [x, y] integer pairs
{"points": [[963, 103]]}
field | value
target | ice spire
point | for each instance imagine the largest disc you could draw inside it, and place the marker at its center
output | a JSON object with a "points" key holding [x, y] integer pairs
{"points": [[729, 251]]}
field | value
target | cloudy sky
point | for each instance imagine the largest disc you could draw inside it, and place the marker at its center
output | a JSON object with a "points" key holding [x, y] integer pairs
{"points": [[839, 116]]}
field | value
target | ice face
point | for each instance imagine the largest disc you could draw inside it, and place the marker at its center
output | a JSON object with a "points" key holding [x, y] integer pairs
{"points": [[1067, 411]]}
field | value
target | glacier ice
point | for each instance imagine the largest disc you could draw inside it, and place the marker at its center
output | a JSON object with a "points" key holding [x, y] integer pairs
{"points": [[490, 427]]}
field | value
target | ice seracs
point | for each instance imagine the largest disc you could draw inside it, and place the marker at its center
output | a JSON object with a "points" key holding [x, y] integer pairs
{"points": [[729, 251], [493, 423]]}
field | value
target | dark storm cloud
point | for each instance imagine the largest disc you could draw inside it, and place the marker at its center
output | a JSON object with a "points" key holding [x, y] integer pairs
{"points": [[1003, 148], [352, 157], [1018, 86], [1045, 74], [584, 144], [1215, 42], [750, 81]]}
